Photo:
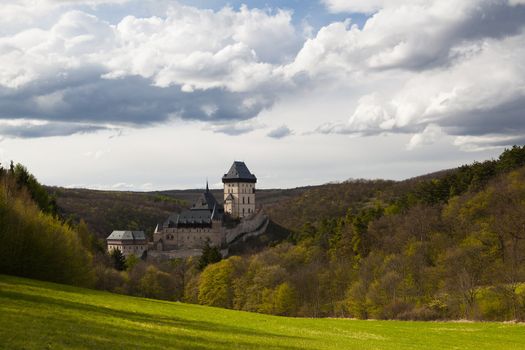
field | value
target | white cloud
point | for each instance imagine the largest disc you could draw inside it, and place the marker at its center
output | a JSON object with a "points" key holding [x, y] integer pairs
{"points": [[362, 6], [202, 49], [453, 66], [195, 48], [122, 186], [453, 96], [96, 154], [430, 135], [486, 142], [236, 128]]}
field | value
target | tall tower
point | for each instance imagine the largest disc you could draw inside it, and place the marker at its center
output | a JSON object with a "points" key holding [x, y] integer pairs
{"points": [[239, 191]]}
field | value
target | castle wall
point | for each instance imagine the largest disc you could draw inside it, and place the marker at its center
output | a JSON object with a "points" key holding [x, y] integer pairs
{"points": [[188, 238], [249, 224]]}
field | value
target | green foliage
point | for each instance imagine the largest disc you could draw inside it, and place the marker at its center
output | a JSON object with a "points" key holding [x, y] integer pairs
{"points": [[156, 284], [36, 244], [131, 261], [118, 260], [169, 199], [216, 282], [210, 255], [361, 241], [38, 193]]}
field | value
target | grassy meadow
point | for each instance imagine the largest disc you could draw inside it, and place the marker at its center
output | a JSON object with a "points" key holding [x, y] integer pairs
{"points": [[41, 315]]}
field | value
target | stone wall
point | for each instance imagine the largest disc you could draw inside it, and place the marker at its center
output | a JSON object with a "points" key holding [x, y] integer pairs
{"points": [[249, 224], [187, 238]]}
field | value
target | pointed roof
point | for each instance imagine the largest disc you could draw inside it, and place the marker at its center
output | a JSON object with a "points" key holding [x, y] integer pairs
{"points": [[239, 172], [206, 200], [202, 212]]}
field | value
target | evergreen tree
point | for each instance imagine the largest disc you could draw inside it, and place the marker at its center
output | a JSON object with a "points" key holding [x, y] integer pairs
{"points": [[210, 255], [118, 259]]}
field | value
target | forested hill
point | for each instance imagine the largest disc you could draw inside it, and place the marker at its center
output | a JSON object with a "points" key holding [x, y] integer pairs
{"points": [[447, 247]]}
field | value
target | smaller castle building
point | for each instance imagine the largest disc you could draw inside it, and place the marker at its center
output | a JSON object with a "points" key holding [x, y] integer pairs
{"points": [[128, 242]]}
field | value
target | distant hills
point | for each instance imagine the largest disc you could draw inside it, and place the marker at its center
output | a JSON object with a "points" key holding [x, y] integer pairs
{"points": [[104, 211]]}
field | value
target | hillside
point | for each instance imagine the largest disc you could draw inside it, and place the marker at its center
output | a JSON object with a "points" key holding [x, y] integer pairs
{"points": [[105, 211], [36, 315]]}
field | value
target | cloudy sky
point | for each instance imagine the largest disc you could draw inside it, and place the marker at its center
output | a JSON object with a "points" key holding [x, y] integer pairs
{"points": [[144, 95]]}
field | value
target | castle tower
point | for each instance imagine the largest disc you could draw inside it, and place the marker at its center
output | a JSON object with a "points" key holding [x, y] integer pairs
{"points": [[239, 191]]}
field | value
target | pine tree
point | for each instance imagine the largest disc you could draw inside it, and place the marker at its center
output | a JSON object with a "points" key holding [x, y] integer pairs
{"points": [[118, 259], [210, 255]]}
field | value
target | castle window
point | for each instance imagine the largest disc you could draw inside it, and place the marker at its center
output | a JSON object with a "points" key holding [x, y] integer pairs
{"points": [[248, 200], [242, 200]]}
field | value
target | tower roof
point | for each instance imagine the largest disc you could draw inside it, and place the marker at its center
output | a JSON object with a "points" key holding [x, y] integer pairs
{"points": [[239, 172]]}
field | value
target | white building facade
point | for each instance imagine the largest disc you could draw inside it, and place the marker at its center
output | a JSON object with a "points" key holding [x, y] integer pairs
{"points": [[128, 242]]}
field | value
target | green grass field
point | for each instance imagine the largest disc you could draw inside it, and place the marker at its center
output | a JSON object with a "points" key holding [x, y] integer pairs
{"points": [[39, 315]]}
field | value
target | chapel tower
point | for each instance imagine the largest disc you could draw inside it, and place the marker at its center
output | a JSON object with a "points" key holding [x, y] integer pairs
{"points": [[239, 191]]}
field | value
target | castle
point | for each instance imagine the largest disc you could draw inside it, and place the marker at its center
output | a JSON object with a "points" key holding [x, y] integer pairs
{"points": [[205, 220]]}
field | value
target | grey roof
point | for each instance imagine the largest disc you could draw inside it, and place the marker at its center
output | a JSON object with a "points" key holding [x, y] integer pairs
{"points": [[192, 217], [239, 172], [206, 201], [203, 211], [229, 197], [127, 235]]}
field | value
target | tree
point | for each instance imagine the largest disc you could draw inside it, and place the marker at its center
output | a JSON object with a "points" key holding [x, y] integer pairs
{"points": [[210, 255], [156, 284], [215, 284], [118, 259], [131, 261], [285, 299]]}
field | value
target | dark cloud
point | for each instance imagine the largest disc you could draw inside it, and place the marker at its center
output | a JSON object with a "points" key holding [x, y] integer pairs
{"points": [[27, 130], [280, 132], [82, 96], [504, 119]]}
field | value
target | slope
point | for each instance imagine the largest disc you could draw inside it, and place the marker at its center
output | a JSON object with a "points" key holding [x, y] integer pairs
{"points": [[36, 315]]}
